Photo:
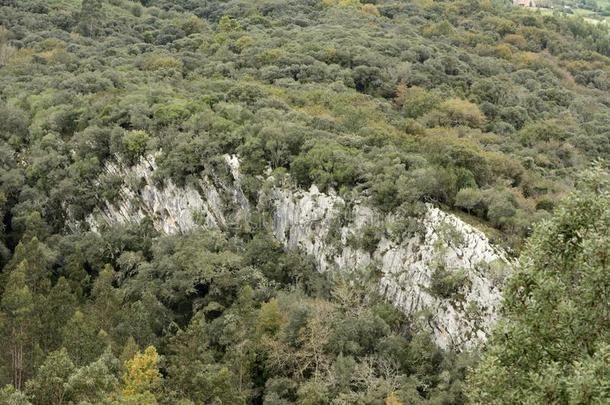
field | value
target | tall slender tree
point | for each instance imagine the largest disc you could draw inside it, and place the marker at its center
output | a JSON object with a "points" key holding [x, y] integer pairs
{"points": [[18, 309], [90, 16]]}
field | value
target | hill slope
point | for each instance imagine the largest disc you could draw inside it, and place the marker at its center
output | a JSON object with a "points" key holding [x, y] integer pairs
{"points": [[476, 107]]}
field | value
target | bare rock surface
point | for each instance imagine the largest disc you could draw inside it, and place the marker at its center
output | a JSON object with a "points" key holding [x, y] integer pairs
{"points": [[304, 219], [446, 274]]}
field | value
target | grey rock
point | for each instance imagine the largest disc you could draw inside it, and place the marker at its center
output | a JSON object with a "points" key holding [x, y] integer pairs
{"points": [[322, 226]]}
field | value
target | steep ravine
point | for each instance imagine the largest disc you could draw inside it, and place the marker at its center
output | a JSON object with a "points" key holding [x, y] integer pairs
{"points": [[324, 226]]}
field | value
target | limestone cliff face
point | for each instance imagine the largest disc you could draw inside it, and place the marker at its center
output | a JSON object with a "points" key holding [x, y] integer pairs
{"points": [[442, 246], [444, 273], [172, 209]]}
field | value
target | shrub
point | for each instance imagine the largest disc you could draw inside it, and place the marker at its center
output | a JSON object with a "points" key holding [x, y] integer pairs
{"points": [[135, 143], [370, 9], [370, 237], [468, 199], [457, 112], [415, 101], [173, 113], [445, 283], [159, 61]]}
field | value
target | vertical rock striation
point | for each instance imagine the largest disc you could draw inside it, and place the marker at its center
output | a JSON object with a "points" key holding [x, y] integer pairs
{"points": [[304, 219], [172, 209], [443, 251]]}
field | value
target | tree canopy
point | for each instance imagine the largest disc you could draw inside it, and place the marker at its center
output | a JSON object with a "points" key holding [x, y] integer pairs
{"points": [[552, 345]]}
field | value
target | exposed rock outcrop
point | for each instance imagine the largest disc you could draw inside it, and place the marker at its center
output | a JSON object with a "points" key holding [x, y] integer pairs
{"points": [[444, 246], [445, 274], [172, 209]]}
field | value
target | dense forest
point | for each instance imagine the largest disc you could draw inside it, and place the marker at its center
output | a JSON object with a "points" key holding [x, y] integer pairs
{"points": [[498, 114]]}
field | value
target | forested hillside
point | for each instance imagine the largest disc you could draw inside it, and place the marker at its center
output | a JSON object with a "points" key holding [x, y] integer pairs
{"points": [[483, 109]]}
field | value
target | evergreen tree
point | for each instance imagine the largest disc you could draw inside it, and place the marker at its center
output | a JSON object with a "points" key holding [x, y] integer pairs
{"points": [[37, 259], [130, 349], [59, 381], [106, 300], [55, 310], [84, 341], [48, 386], [94, 382], [193, 371]]}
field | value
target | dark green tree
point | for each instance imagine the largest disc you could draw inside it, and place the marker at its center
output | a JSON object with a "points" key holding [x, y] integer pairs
{"points": [[54, 311], [83, 339], [106, 300]]}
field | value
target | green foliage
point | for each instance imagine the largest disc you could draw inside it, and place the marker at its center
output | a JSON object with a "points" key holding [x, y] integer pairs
{"points": [[56, 309], [468, 199], [90, 16], [553, 343], [59, 381], [416, 101], [94, 381], [329, 113], [368, 238], [270, 319], [156, 62], [85, 340], [172, 113], [455, 112], [10, 396], [447, 283], [135, 143], [48, 385], [327, 165], [17, 306]]}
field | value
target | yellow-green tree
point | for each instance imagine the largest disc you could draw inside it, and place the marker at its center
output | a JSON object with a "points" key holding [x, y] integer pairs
{"points": [[270, 318], [457, 112], [392, 399], [142, 376]]}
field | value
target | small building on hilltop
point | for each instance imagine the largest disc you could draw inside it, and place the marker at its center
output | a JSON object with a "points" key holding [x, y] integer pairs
{"points": [[524, 3]]}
